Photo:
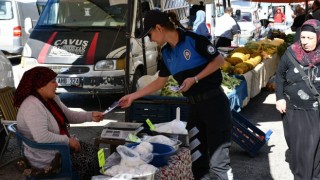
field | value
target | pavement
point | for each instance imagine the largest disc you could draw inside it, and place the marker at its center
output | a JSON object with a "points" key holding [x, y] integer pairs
{"points": [[269, 164]]}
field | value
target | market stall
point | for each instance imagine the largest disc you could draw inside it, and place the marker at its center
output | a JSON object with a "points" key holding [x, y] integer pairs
{"points": [[258, 77]]}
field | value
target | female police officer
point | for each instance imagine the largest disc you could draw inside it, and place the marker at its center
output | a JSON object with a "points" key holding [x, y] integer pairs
{"points": [[195, 63]]}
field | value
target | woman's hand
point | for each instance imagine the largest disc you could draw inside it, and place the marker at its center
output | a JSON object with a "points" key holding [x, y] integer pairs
{"points": [[97, 116], [74, 144], [281, 106]]}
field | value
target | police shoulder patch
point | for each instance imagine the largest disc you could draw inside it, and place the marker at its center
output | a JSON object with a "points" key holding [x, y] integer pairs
{"points": [[211, 49]]}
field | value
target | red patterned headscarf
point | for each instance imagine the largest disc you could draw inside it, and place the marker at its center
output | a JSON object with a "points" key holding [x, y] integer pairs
{"points": [[34, 79], [308, 58]]}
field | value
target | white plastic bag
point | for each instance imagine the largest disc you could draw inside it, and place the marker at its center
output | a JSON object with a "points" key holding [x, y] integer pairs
{"points": [[161, 139], [129, 157], [174, 127]]}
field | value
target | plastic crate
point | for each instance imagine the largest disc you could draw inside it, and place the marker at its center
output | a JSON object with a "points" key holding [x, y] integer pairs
{"points": [[158, 109], [247, 135]]}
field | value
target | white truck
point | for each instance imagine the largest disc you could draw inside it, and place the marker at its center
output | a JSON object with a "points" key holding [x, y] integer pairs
{"points": [[90, 44]]}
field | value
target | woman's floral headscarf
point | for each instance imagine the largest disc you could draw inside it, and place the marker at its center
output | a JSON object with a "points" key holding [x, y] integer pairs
{"points": [[34, 79], [308, 58]]}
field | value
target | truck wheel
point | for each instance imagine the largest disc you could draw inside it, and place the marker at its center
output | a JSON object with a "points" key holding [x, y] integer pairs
{"points": [[136, 76]]}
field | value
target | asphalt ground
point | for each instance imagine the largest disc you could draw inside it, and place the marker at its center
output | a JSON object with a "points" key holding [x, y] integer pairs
{"points": [[269, 163]]}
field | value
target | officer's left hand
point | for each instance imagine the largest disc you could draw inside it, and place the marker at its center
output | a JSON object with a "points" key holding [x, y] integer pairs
{"points": [[187, 83]]}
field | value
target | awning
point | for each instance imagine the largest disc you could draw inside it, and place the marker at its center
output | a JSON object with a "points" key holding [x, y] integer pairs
{"points": [[279, 1], [198, 1]]}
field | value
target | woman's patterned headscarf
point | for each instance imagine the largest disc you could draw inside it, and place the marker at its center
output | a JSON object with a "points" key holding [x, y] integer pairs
{"points": [[308, 58], [32, 80]]}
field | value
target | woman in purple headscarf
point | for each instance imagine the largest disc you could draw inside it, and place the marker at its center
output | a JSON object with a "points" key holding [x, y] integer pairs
{"points": [[43, 118], [298, 105]]}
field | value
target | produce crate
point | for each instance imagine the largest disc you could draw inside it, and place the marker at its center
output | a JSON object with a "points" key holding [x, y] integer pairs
{"points": [[158, 109], [247, 135]]}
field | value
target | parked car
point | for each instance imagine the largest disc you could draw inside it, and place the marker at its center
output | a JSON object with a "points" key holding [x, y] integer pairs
{"points": [[6, 72], [17, 18]]}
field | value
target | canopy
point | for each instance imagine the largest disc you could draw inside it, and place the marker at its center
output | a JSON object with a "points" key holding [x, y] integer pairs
{"points": [[198, 1], [279, 1]]}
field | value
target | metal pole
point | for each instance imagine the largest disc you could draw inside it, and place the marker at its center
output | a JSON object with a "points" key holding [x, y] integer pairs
{"points": [[143, 45], [128, 36]]}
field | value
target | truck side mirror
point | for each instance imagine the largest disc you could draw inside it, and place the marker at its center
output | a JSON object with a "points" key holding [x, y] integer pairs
{"points": [[28, 25]]}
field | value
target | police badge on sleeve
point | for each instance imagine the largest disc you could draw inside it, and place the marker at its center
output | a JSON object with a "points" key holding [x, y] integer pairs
{"points": [[211, 49]]}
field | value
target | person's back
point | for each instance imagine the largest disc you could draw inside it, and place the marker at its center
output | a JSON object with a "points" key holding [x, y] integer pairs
{"points": [[297, 23], [226, 28], [203, 30], [200, 26], [316, 9]]}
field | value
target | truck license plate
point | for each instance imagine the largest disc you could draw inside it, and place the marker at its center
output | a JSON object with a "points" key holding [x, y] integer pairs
{"points": [[68, 81]]}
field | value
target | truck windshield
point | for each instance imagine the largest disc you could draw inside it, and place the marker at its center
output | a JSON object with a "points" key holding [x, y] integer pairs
{"points": [[6, 10], [84, 13]]}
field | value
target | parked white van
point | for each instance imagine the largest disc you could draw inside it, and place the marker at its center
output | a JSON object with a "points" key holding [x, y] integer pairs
{"points": [[86, 43], [17, 18]]}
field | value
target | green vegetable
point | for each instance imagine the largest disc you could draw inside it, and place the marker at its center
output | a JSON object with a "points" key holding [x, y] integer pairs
{"points": [[230, 82]]}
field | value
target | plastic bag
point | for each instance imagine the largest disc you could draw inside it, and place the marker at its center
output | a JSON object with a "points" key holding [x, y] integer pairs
{"points": [[159, 139], [174, 127], [131, 158]]}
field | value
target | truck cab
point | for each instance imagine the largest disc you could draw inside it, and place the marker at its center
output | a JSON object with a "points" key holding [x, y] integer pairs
{"points": [[85, 43]]}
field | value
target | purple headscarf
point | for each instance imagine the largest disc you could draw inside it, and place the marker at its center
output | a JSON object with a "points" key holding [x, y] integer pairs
{"points": [[308, 58]]}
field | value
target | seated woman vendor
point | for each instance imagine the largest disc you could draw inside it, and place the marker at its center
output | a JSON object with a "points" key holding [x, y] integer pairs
{"points": [[43, 118]]}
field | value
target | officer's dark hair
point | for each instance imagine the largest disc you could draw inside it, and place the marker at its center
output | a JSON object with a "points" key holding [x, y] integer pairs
{"points": [[169, 25]]}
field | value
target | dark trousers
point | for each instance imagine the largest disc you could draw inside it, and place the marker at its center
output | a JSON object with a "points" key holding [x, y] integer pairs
{"points": [[222, 42], [209, 128], [302, 133]]}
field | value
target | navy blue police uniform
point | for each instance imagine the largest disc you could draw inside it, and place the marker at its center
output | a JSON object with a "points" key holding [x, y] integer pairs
{"points": [[209, 122]]}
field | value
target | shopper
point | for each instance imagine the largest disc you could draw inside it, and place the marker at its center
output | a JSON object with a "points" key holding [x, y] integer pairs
{"points": [[226, 28], [289, 14], [195, 63], [199, 25], [298, 21], [316, 9], [278, 16], [297, 104], [43, 118]]}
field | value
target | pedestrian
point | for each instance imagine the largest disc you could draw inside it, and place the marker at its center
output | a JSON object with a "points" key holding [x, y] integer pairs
{"points": [[301, 17], [297, 103], [263, 15], [226, 28], [316, 9], [195, 63], [43, 118], [289, 14], [199, 25], [278, 16]]}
